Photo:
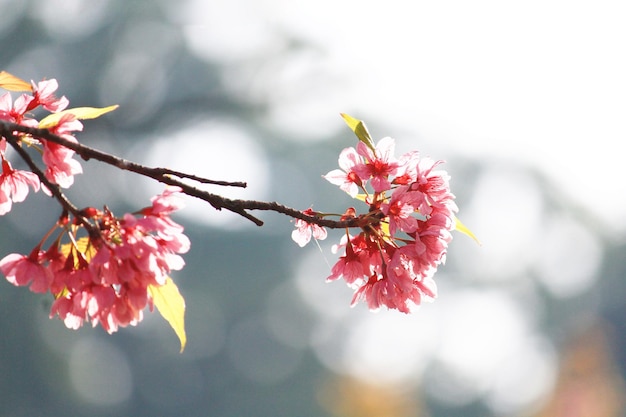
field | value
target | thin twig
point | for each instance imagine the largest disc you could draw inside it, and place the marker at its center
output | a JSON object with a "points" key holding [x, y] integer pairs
{"points": [[201, 180]]}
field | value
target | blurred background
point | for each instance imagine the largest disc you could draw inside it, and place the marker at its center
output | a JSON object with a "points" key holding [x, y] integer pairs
{"points": [[525, 102]]}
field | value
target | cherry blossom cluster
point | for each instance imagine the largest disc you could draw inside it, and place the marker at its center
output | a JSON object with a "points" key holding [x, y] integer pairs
{"points": [[99, 268], [105, 277], [405, 233]]}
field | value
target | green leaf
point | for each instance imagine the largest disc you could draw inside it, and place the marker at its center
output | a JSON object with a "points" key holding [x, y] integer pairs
{"points": [[171, 305], [463, 229], [78, 112], [12, 83], [359, 129]]}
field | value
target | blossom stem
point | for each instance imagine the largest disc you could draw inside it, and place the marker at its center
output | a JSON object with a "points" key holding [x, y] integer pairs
{"points": [[47, 235]]}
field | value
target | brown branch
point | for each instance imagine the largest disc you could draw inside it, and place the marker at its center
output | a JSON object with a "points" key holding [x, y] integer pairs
{"points": [[166, 176]]}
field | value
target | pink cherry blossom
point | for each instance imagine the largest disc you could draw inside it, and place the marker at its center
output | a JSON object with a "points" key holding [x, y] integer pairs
{"points": [[5, 202], [372, 292], [44, 96], [434, 234], [157, 218], [401, 209], [60, 167], [304, 231], [22, 270], [407, 169], [6, 107], [346, 178], [14, 112], [71, 308], [396, 286], [379, 165], [14, 185], [434, 184], [354, 265], [406, 269], [165, 203]]}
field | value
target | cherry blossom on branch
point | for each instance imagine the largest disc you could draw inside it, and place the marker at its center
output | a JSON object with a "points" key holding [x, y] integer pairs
{"points": [[98, 267], [404, 234], [105, 270]]}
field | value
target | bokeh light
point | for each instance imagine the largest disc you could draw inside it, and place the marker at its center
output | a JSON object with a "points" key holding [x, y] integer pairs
{"points": [[217, 150], [99, 372], [68, 20], [260, 356]]}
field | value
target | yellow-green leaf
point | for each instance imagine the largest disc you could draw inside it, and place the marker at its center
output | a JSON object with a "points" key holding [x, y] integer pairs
{"points": [[362, 197], [80, 113], [12, 83], [463, 229], [384, 228], [83, 246], [359, 129], [171, 305]]}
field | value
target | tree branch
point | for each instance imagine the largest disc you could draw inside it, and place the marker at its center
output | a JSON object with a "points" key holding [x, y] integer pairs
{"points": [[166, 176]]}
